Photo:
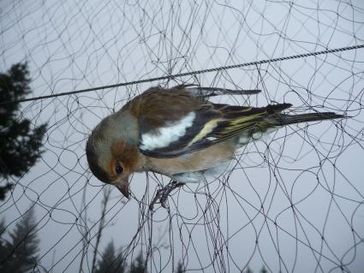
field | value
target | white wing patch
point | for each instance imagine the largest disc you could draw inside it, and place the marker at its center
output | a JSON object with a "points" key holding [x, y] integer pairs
{"points": [[166, 135]]}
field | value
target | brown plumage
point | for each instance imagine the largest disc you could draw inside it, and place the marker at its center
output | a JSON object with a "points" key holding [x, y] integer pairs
{"points": [[179, 133]]}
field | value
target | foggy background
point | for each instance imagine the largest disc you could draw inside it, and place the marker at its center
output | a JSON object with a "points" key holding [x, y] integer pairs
{"points": [[293, 202]]}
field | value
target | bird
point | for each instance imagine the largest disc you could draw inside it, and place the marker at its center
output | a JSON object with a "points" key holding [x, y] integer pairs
{"points": [[178, 132]]}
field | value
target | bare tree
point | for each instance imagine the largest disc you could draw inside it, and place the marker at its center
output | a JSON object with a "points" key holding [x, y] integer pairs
{"points": [[106, 198]]}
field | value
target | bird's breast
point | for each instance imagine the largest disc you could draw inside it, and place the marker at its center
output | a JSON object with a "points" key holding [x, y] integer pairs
{"points": [[196, 161]]}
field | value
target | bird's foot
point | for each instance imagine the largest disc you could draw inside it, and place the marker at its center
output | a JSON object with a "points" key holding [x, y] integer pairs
{"points": [[163, 193]]}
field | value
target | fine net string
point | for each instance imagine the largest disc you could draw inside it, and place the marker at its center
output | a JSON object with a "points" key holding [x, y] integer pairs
{"points": [[292, 201]]}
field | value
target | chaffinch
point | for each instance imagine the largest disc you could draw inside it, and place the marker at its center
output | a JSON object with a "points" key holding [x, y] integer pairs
{"points": [[177, 132]]}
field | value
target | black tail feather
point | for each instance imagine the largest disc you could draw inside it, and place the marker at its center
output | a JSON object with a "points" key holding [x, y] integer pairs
{"points": [[206, 92], [285, 119]]}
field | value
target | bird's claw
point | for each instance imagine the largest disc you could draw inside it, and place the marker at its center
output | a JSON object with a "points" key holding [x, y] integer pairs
{"points": [[163, 193]]}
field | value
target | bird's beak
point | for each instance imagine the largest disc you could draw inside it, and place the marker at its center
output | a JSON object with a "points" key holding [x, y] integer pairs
{"points": [[123, 186]]}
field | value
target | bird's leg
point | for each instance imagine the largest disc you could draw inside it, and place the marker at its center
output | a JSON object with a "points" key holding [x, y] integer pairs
{"points": [[167, 190], [163, 193]]}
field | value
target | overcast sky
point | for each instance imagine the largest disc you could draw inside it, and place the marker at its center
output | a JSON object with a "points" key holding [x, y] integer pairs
{"points": [[293, 202]]}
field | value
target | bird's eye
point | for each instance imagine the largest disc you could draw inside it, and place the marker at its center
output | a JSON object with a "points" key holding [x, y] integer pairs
{"points": [[118, 168]]}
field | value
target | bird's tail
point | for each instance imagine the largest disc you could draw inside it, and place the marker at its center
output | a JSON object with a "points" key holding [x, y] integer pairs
{"points": [[285, 119], [254, 121], [272, 118]]}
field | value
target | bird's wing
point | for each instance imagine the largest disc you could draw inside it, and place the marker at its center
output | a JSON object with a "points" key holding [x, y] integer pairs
{"points": [[187, 124]]}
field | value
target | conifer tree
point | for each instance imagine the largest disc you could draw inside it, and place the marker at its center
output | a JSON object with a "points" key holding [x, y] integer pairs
{"points": [[19, 254], [138, 265], [20, 144], [111, 261], [180, 268]]}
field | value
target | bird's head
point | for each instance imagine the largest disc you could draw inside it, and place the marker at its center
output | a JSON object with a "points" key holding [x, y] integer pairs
{"points": [[112, 153]]}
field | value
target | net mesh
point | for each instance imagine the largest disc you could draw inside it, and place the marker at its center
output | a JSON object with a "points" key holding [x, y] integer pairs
{"points": [[294, 199]]}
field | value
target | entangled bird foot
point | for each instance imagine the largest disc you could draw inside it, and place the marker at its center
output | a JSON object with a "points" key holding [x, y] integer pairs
{"points": [[163, 193]]}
